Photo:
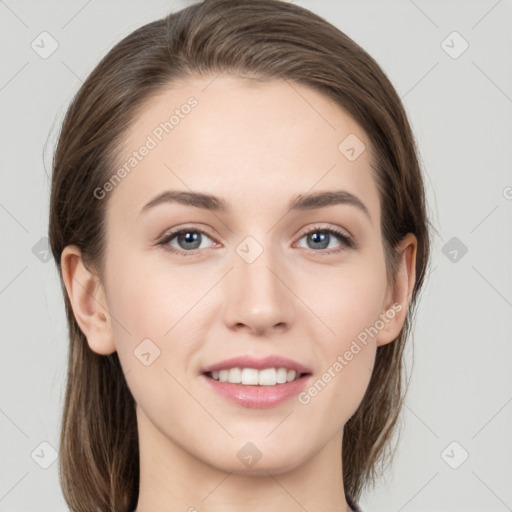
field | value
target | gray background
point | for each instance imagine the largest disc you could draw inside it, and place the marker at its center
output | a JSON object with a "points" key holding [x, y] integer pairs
{"points": [[460, 107]]}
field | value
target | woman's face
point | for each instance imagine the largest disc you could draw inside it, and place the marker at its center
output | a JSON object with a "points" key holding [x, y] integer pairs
{"points": [[256, 278]]}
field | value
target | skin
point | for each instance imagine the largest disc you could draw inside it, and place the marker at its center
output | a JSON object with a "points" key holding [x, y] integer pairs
{"points": [[257, 145]]}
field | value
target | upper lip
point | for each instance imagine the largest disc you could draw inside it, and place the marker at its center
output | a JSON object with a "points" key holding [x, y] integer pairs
{"points": [[274, 361]]}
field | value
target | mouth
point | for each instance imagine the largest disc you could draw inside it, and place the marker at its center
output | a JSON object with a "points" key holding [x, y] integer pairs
{"points": [[255, 377], [257, 383], [257, 389]]}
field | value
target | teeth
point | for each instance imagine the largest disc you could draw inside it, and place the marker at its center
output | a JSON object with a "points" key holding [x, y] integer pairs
{"points": [[268, 377], [281, 375], [235, 375], [249, 376], [253, 377]]}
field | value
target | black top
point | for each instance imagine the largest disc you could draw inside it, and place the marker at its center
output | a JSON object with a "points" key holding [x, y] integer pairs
{"points": [[352, 504]]}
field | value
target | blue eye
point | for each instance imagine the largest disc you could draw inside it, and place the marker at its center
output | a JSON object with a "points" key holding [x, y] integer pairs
{"points": [[189, 240], [320, 239]]}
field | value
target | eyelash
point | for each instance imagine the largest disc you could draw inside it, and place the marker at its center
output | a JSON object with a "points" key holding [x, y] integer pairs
{"points": [[347, 240]]}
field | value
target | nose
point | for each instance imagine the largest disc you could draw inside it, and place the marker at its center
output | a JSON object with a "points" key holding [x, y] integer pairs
{"points": [[258, 297]]}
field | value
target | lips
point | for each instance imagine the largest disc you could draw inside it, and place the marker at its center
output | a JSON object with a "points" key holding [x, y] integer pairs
{"points": [[257, 382], [274, 361]]}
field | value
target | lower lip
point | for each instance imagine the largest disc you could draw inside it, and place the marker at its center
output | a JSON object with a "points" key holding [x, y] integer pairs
{"points": [[258, 397]]}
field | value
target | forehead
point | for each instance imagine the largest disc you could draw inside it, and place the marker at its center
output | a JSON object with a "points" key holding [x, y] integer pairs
{"points": [[248, 141]]}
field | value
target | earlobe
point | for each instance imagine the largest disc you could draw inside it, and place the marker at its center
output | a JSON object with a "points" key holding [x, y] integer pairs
{"points": [[399, 294], [87, 298]]}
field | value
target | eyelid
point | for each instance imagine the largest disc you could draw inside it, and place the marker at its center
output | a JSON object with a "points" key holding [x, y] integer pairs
{"points": [[328, 227], [178, 229]]}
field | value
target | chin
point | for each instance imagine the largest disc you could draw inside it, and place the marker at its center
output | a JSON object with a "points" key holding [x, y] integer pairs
{"points": [[251, 460]]}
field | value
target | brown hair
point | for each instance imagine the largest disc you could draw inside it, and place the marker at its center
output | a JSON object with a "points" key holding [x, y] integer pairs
{"points": [[264, 39]]}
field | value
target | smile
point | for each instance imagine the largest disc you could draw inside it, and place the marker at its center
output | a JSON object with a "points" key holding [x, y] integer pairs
{"points": [[258, 389], [254, 377]]}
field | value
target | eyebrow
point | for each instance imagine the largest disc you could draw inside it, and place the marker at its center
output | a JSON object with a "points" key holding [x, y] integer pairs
{"points": [[303, 202]]}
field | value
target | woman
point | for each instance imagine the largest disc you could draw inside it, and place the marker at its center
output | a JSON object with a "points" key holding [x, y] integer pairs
{"points": [[238, 216]]}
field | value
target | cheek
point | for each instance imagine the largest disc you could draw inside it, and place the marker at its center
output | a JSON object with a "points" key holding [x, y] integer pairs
{"points": [[144, 310], [350, 306], [145, 299], [348, 361], [350, 299], [150, 335]]}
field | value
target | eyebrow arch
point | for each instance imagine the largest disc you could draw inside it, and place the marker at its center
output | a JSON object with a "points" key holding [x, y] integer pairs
{"points": [[302, 202]]}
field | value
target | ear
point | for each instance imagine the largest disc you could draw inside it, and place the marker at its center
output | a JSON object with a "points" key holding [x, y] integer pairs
{"points": [[399, 293], [88, 301]]}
